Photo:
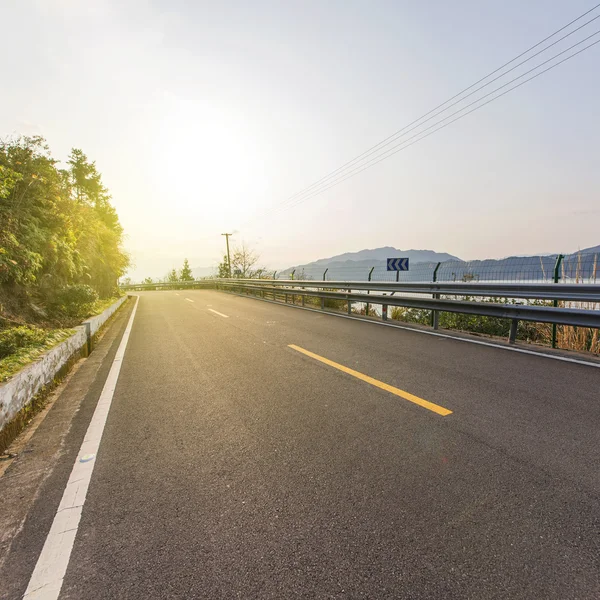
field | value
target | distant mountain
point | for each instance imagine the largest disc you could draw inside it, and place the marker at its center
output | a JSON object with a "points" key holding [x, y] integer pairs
{"points": [[357, 265], [203, 272], [381, 254]]}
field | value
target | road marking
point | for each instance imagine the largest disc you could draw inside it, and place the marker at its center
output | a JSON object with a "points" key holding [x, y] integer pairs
{"points": [[47, 577], [176, 294], [218, 313], [440, 410], [189, 300], [577, 361]]}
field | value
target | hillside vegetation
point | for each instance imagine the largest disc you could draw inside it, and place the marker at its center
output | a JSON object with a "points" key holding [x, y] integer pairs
{"points": [[61, 250]]}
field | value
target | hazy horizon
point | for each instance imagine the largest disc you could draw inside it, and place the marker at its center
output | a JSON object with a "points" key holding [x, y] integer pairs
{"points": [[203, 117]]}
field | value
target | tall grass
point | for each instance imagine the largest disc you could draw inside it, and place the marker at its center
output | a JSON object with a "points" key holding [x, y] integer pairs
{"points": [[583, 339]]}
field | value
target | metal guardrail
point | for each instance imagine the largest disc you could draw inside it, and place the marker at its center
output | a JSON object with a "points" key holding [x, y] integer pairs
{"points": [[556, 315], [425, 296], [535, 291], [179, 285]]}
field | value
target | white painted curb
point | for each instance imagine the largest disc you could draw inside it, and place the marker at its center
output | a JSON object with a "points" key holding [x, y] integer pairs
{"points": [[21, 388]]}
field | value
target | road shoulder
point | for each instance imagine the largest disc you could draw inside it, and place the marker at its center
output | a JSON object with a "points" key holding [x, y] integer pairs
{"points": [[32, 485]]}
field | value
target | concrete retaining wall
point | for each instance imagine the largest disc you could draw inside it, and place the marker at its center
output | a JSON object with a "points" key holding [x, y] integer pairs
{"points": [[22, 388]]}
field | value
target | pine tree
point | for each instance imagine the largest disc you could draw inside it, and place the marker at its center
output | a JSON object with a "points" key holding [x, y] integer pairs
{"points": [[186, 273], [223, 269]]}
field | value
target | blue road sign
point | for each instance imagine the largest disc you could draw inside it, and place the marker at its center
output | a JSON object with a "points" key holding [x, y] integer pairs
{"points": [[397, 264]]}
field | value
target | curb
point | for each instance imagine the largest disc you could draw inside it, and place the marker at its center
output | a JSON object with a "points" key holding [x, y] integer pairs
{"points": [[20, 395]]}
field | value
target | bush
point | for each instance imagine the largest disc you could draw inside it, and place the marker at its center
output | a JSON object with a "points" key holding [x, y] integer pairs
{"points": [[76, 301], [14, 338]]}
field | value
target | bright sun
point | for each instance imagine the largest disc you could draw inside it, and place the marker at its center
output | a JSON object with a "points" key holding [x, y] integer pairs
{"points": [[207, 161]]}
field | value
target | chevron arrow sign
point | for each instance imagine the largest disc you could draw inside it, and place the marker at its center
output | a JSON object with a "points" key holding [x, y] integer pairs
{"points": [[397, 264]]}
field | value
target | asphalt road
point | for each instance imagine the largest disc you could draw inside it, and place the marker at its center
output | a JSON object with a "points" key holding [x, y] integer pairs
{"points": [[235, 466]]}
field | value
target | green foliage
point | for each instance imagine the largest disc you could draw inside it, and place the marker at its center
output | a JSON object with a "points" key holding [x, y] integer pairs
{"points": [[186, 273], [20, 346], [18, 337], [493, 326], [58, 226], [172, 277], [223, 269], [76, 301], [148, 280]]}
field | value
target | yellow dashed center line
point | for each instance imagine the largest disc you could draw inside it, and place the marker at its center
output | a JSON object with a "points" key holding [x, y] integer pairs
{"points": [[440, 410]]}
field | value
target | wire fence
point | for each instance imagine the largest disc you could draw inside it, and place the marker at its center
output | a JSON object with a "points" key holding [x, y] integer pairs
{"points": [[573, 268]]}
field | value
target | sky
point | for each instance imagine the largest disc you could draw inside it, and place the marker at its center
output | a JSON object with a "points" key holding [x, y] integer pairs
{"points": [[206, 117]]}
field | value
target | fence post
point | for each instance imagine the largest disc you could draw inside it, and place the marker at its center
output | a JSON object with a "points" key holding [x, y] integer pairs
{"points": [[292, 278], [559, 260], [368, 291], [323, 299], [512, 336], [349, 303], [434, 313]]}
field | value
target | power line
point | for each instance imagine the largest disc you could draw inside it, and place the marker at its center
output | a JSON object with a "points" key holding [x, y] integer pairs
{"points": [[393, 137], [404, 144]]}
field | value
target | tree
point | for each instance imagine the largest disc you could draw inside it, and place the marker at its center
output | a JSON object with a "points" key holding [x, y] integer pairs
{"points": [[172, 277], [148, 280], [223, 269], [243, 261], [186, 273]]}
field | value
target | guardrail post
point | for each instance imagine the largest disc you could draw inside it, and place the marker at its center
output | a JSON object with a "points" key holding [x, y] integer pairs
{"points": [[349, 303], [384, 310], [435, 317], [559, 260], [512, 336], [368, 291]]}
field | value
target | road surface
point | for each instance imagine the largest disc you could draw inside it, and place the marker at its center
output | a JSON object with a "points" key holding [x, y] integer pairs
{"points": [[257, 451]]}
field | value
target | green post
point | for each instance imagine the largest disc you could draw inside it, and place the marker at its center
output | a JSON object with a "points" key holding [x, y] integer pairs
{"points": [[434, 313], [293, 295], [368, 291], [324, 279], [559, 260]]}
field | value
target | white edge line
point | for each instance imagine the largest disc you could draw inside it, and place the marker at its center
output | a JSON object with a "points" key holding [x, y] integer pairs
{"points": [[47, 577], [434, 333], [218, 313]]}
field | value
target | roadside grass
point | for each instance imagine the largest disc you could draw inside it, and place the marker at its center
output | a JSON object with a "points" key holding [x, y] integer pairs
{"points": [[20, 346]]}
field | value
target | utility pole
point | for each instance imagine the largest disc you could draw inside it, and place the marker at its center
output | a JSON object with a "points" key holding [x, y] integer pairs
{"points": [[228, 258]]}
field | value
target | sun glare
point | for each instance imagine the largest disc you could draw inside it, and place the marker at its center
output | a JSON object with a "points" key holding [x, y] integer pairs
{"points": [[205, 158]]}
